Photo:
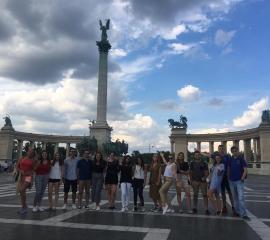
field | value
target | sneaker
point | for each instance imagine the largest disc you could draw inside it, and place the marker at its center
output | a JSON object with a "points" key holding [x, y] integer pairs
{"points": [[98, 208], [35, 209], [73, 206], [22, 211], [194, 211], [135, 209], [86, 207], [246, 218], [64, 207], [79, 207], [207, 212], [154, 209], [165, 209], [169, 210], [122, 210], [41, 209], [142, 209]]}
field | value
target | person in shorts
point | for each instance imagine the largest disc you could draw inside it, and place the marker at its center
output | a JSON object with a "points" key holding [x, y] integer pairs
{"points": [[84, 172], [70, 178]]}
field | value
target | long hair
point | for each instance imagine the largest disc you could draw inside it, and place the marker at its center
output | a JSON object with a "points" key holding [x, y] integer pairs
{"points": [[125, 162], [61, 162], [137, 162], [101, 161], [158, 161], [41, 157]]}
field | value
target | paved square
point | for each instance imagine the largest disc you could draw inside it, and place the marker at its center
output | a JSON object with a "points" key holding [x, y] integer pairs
{"points": [[103, 225]]}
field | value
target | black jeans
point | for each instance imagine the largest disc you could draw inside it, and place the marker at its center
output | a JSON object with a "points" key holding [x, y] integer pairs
{"points": [[138, 189]]}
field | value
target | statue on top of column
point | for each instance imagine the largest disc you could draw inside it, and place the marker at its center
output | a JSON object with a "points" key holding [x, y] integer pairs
{"points": [[104, 28], [8, 123], [266, 117]]}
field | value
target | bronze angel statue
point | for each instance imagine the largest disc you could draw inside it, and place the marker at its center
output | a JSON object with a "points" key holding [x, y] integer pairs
{"points": [[104, 29]]}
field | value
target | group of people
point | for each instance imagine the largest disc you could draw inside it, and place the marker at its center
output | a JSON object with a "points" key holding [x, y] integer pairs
{"points": [[87, 172]]}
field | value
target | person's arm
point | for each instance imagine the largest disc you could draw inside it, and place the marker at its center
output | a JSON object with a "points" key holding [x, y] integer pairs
{"points": [[190, 172], [245, 172], [206, 171], [174, 172], [163, 158], [159, 176], [145, 174]]}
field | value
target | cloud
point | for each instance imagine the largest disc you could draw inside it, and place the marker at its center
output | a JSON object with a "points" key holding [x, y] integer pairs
{"points": [[189, 93], [223, 38], [216, 102], [118, 52], [167, 105], [174, 32], [179, 48], [252, 116]]}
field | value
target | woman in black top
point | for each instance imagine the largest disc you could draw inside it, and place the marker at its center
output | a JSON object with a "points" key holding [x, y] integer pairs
{"points": [[111, 179], [183, 184], [125, 182], [99, 166]]}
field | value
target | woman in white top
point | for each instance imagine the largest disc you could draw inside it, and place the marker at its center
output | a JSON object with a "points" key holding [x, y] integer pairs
{"points": [[139, 180], [55, 177], [170, 175]]}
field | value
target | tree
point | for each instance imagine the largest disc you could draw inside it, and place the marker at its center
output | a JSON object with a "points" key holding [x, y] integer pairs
{"points": [[118, 147], [87, 143]]}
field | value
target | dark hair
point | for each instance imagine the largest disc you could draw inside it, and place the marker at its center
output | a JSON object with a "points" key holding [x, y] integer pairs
{"points": [[221, 145], [197, 151], [216, 154], [101, 158], [137, 162], [124, 161], [40, 156], [61, 162], [234, 148]]}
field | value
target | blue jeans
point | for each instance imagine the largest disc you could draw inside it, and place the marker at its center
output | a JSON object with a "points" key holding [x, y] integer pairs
{"points": [[237, 188]]}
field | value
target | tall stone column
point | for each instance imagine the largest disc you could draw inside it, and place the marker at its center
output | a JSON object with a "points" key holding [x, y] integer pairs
{"points": [[247, 149], [44, 145], [100, 129], [199, 146], [67, 149], [225, 145], [56, 146], [180, 140], [255, 150], [211, 147], [172, 146], [20, 148]]}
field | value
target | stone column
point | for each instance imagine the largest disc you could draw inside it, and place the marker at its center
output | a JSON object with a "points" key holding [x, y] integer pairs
{"points": [[180, 139], [258, 150], [44, 145], [32, 144], [20, 148], [236, 143], [67, 149], [6, 145], [211, 147], [224, 143], [199, 146], [264, 131], [255, 150], [172, 146], [247, 149], [56, 148]]}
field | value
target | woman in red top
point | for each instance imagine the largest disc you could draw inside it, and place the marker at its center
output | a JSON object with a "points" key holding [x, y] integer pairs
{"points": [[25, 167], [42, 169]]}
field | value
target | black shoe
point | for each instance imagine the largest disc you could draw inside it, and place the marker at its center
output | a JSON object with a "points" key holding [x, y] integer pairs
{"points": [[135, 209], [194, 211], [235, 214], [207, 212], [218, 213], [246, 218]]}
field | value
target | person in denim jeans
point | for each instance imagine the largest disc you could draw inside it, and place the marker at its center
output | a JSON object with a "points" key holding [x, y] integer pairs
{"points": [[237, 172]]}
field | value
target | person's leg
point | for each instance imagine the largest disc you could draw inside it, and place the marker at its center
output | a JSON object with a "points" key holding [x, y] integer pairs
{"points": [[203, 187], [233, 188], [128, 187], [99, 186], [38, 190], [81, 187], [218, 203], [44, 183], [50, 192], [195, 186], [56, 193], [66, 190], [223, 195], [164, 191], [228, 189], [22, 189], [113, 194], [140, 189], [135, 192], [241, 198], [94, 188], [74, 191], [123, 194], [108, 188], [87, 192], [179, 193], [210, 194]]}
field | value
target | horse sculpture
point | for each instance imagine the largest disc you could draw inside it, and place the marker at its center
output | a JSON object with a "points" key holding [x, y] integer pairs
{"points": [[181, 124]]}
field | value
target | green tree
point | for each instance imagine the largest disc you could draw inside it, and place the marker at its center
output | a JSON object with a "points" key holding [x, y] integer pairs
{"points": [[87, 143], [118, 147]]}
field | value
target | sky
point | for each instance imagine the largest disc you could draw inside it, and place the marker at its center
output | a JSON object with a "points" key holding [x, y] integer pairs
{"points": [[205, 59]]}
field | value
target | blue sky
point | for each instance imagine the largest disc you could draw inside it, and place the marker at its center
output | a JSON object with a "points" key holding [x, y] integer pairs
{"points": [[208, 60]]}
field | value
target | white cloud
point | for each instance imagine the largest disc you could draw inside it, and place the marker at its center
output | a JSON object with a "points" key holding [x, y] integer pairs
{"points": [[118, 52], [189, 93], [252, 116], [174, 32], [223, 38], [179, 48]]}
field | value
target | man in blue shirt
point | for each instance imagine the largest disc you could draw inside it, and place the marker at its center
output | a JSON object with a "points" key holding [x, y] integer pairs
{"points": [[237, 173], [84, 172]]}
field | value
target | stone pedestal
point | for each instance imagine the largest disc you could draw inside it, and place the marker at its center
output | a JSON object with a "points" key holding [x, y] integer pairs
{"points": [[179, 137], [264, 131], [6, 144], [102, 132]]}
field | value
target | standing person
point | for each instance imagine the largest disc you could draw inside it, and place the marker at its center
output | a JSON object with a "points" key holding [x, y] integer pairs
{"points": [[237, 173], [55, 178], [111, 179], [216, 176], [98, 170], [198, 174], [84, 173], [155, 183], [170, 175], [25, 168], [125, 182], [183, 184], [225, 186], [139, 180], [70, 178], [42, 170]]}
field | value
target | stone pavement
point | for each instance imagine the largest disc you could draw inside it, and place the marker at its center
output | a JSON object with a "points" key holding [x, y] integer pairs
{"points": [[107, 224]]}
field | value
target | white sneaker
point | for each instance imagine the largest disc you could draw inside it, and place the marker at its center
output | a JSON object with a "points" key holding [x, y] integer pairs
{"points": [[41, 209], [122, 210], [165, 209], [169, 210], [64, 207], [98, 208], [74, 206], [35, 209], [126, 208]]}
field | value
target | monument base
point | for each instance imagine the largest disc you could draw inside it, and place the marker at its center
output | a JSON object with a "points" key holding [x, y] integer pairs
{"points": [[179, 141], [6, 144], [102, 132]]}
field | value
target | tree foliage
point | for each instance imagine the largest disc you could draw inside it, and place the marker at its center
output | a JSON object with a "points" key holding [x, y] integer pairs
{"points": [[87, 143], [118, 147]]}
